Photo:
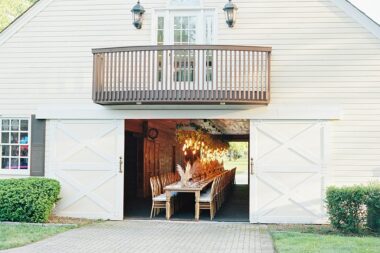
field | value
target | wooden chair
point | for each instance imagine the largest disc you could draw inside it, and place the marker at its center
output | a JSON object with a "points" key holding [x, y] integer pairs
{"points": [[165, 180], [233, 179], [207, 199], [158, 197]]}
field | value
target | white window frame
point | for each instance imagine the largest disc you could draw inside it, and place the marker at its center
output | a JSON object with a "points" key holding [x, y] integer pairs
{"points": [[23, 172], [169, 13]]}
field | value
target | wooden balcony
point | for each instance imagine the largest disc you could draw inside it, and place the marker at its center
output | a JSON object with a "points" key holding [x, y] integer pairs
{"points": [[182, 74]]}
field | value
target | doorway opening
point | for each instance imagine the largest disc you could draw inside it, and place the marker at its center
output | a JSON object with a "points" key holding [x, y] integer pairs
{"points": [[154, 148]]}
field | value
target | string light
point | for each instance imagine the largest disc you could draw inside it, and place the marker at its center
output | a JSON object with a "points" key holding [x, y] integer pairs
{"points": [[210, 147]]}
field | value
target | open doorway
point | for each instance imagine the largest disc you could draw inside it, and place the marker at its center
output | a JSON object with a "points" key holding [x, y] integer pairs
{"points": [[152, 148], [236, 207]]}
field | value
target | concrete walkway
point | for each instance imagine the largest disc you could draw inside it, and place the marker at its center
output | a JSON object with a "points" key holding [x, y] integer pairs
{"points": [[157, 236]]}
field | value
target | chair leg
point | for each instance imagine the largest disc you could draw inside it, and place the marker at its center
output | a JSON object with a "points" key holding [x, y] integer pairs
{"points": [[151, 212], [211, 210]]}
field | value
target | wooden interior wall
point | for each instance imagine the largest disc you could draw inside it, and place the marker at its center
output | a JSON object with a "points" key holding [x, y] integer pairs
{"points": [[160, 155]]}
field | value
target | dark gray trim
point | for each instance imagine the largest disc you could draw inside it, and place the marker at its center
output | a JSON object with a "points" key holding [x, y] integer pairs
{"points": [[37, 147]]}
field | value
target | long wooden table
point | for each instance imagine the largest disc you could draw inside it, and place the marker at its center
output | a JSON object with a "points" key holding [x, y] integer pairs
{"points": [[195, 188]]}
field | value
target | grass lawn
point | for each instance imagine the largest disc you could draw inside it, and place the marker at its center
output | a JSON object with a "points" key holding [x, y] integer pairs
{"points": [[15, 235], [18, 234], [321, 239], [241, 169], [240, 164]]}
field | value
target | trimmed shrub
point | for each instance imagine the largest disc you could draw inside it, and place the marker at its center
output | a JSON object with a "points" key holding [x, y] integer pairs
{"points": [[28, 199], [373, 207], [346, 207]]}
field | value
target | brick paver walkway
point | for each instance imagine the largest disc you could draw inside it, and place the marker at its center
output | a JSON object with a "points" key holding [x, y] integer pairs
{"points": [[157, 236]]}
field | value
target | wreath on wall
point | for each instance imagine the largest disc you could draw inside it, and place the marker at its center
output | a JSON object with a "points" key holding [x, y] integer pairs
{"points": [[153, 133]]}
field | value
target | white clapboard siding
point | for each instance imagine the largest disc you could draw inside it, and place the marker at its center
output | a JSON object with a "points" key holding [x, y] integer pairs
{"points": [[320, 56]]}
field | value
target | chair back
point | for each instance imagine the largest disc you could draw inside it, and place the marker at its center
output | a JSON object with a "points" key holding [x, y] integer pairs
{"points": [[164, 178], [215, 186], [155, 186]]}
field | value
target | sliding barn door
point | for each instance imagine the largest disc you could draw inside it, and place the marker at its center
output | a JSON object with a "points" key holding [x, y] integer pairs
{"points": [[86, 157], [287, 171]]}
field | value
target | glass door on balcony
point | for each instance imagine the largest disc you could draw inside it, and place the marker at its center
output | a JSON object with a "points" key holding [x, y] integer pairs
{"points": [[184, 33], [185, 28]]}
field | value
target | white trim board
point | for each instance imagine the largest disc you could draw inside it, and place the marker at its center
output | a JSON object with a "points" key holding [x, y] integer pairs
{"points": [[352, 11], [277, 112], [23, 20]]}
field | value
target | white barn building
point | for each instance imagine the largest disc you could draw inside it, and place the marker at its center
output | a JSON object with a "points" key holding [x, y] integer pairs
{"points": [[300, 79]]}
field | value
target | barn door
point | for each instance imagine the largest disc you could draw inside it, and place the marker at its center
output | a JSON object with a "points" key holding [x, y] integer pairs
{"points": [[287, 171], [86, 156]]}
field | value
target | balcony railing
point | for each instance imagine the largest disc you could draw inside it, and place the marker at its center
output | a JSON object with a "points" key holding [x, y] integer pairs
{"points": [[182, 74]]}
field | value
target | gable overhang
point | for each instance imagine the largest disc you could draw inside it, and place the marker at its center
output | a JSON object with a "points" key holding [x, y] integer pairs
{"points": [[23, 19], [359, 16]]}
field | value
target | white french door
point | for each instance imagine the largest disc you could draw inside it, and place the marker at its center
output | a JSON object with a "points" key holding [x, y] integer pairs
{"points": [[179, 27], [287, 173]]}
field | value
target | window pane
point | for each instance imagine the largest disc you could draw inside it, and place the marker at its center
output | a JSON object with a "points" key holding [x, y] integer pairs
{"points": [[4, 137], [24, 163], [14, 163], [14, 132], [5, 163], [24, 125], [160, 37], [185, 36], [192, 22], [14, 137], [15, 150], [192, 36], [209, 29], [15, 124], [5, 125], [24, 150], [5, 150], [24, 138], [185, 22], [160, 23], [177, 36], [177, 22]]}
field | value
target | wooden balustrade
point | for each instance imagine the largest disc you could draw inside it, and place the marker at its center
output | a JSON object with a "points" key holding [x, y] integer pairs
{"points": [[182, 74]]}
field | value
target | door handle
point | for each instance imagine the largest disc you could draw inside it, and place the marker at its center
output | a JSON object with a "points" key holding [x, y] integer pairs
{"points": [[252, 164], [120, 164]]}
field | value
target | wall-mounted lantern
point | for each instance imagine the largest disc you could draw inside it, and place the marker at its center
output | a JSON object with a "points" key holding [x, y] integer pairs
{"points": [[137, 12], [230, 12]]}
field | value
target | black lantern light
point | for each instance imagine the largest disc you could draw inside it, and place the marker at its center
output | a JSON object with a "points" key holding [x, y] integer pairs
{"points": [[230, 11], [137, 12]]}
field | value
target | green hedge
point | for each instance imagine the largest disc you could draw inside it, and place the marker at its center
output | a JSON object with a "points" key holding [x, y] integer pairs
{"points": [[373, 207], [350, 208], [27, 200]]}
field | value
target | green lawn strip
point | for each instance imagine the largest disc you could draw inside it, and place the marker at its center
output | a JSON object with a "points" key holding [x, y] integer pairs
{"points": [[16, 235], [321, 239], [240, 164]]}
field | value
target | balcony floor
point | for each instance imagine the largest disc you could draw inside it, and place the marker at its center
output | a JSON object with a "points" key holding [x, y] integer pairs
{"points": [[180, 97]]}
